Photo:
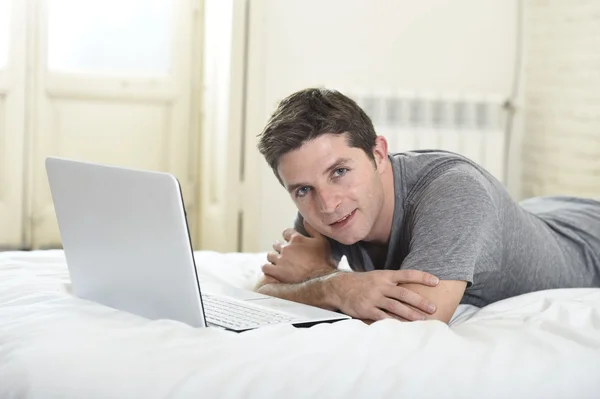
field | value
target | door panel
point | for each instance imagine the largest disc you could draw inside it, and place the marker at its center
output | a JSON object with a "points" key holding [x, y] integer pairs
{"points": [[96, 100], [12, 122]]}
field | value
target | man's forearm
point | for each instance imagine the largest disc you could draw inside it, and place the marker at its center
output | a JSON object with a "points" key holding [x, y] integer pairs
{"points": [[264, 281], [315, 292]]}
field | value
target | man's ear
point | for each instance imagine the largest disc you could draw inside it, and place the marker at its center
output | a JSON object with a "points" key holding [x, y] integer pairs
{"points": [[380, 152]]}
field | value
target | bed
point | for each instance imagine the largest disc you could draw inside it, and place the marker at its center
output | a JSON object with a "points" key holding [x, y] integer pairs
{"points": [[53, 345]]}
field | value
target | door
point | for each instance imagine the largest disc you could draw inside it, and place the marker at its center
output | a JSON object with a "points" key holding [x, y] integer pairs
{"points": [[116, 82], [12, 121]]}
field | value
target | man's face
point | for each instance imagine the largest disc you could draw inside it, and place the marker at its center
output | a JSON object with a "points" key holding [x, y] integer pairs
{"points": [[336, 188]]}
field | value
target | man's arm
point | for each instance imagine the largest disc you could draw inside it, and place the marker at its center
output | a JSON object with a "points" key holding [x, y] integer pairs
{"points": [[305, 254], [304, 270], [265, 279], [415, 301], [455, 228], [315, 292], [372, 295], [446, 295]]}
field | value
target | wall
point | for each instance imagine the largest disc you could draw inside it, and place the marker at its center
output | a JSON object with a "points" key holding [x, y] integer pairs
{"points": [[561, 153], [451, 46]]}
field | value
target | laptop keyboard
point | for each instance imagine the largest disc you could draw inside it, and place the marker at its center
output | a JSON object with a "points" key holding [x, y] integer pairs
{"points": [[229, 313]]}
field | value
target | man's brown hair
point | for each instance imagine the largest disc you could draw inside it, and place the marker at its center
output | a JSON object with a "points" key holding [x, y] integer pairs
{"points": [[309, 113]]}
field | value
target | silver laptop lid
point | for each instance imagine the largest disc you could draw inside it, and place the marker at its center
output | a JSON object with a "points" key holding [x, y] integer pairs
{"points": [[126, 240]]}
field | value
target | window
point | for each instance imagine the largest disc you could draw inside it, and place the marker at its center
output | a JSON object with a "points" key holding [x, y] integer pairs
{"points": [[110, 37]]}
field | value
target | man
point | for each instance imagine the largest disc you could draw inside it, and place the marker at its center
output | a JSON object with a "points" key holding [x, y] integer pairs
{"points": [[401, 219]]}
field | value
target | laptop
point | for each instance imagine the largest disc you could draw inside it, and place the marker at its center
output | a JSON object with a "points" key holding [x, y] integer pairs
{"points": [[127, 246]]}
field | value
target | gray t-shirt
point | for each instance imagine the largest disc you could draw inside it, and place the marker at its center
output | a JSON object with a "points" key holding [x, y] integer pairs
{"points": [[455, 220]]}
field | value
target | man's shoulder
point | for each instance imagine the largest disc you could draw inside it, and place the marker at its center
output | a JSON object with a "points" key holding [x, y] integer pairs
{"points": [[422, 162], [428, 169]]}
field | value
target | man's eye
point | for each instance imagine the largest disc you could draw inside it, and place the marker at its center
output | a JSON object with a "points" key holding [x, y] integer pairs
{"points": [[302, 191], [340, 172]]}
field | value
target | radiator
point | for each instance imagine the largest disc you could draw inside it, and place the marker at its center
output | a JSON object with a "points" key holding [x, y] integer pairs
{"points": [[470, 125]]}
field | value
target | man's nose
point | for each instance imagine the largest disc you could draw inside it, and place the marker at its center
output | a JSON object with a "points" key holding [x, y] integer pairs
{"points": [[328, 200]]}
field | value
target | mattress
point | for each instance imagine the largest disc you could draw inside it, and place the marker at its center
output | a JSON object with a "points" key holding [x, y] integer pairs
{"points": [[53, 345]]}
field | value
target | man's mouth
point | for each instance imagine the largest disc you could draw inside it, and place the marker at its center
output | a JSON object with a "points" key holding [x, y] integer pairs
{"points": [[344, 220]]}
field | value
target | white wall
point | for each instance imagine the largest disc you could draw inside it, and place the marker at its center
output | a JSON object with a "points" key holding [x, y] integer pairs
{"points": [[453, 46], [562, 99]]}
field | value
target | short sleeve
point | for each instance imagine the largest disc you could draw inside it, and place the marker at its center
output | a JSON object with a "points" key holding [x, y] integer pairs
{"points": [[454, 226]]}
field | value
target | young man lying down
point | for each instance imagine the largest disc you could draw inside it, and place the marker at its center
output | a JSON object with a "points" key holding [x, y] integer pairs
{"points": [[405, 220]]}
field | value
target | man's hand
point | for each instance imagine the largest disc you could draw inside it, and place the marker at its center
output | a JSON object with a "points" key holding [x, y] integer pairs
{"points": [[300, 258], [264, 281], [376, 295]]}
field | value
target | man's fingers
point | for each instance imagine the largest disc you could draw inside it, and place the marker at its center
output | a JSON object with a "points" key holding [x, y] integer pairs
{"points": [[394, 316], [273, 271], [268, 279], [400, 310], [278, 245], [273, 257], [404, 295], [311, 230], [288, 234], [378, 314], [414, 276]]}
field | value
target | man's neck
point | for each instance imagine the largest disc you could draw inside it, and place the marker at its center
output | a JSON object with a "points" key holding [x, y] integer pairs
{"points": [[383, 225]]}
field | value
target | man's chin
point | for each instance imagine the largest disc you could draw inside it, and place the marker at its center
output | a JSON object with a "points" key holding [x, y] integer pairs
{"points": [[345, 240]]}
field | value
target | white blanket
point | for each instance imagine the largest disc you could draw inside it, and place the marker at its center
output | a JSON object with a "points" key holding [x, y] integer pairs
{"points": [[52, 345]]}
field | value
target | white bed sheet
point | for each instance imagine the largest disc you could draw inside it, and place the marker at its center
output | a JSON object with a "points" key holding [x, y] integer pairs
{"points": [[52, 345]]}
